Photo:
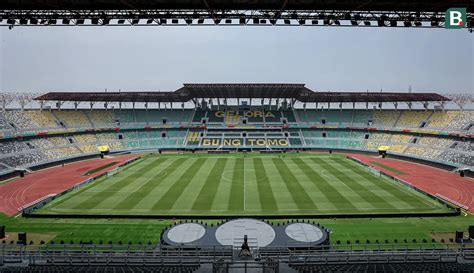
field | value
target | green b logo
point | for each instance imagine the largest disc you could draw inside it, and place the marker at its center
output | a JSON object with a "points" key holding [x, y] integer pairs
{"points": [[455, 18]]}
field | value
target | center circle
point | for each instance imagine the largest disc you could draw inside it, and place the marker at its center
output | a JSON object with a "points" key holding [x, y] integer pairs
{"points": [[232, 233], [249, 175]]}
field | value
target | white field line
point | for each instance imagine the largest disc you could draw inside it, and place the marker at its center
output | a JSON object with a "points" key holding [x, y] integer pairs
{"points": [[245, 192]]}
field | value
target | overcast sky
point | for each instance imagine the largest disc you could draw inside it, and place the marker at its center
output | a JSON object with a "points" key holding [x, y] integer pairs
{"points": [[162, 58]]}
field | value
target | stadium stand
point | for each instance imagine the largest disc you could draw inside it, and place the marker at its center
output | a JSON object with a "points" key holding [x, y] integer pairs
{"points": [[86, 138], [102, 269], [290, 116], [412, 119], [199, 115], [12, 147], [390, 267], [464, 146], [362, 118], [440, 148], [31, 119], [315, 116], [101, 118], [125, 116], [72, 118], [375, 140], [219, 116], [148, 117], [385, 118], [462, 120], [456, 157], [22, 159], [3, 122], [442, 119]]}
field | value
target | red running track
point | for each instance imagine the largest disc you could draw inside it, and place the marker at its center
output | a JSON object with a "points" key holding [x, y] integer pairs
{"points": [[36, 185], [429, 179]]}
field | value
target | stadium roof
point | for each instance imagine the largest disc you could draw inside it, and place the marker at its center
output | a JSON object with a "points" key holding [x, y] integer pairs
{"points": [[379, 5], [196, 91], [370, 97], [244, 90]]}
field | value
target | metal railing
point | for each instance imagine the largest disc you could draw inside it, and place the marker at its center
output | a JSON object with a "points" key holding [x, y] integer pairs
{"points": [[222, 260], [266, 266]]}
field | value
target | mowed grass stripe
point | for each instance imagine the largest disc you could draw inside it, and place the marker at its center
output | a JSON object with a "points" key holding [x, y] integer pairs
{"points": [[167, 200], [149, 185], [265, 193], [332, 194], [208, 191], [221, 200], [299, 195], [366, 194], [236, 200], [395, 190], [99, 197]]}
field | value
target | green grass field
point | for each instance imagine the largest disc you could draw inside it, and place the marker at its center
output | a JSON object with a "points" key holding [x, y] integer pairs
{"points": [[145, 230], [220, 185]]}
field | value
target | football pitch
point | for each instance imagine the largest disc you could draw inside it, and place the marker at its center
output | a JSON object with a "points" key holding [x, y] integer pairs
{"points": [[246, 185]]}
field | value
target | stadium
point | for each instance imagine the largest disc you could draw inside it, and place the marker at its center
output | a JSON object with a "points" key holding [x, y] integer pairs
{"points": [[236, 177], [241, 151]]}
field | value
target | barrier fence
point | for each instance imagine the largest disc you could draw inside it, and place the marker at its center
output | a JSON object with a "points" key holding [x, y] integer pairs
{"points": [[223, 256]]}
